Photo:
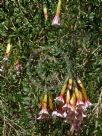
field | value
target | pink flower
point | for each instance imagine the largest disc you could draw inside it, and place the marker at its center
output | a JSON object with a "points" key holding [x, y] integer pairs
{"points": [[43, 114], [66, 107], [65, 114], [87, 104], [45, 12], [43, 117], [59, 99], [80, 114], [80, 103], [43, 111], [57, 114], [18, 67], [56, 20]]}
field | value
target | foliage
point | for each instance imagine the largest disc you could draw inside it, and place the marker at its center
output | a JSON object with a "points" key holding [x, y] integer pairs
{"points": [[48, 55]]}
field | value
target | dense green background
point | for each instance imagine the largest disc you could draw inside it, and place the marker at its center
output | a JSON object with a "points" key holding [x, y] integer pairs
{"points": [[48, 55]]}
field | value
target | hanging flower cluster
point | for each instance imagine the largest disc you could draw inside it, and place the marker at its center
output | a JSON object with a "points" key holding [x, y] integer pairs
{"points": [[71, 104]]}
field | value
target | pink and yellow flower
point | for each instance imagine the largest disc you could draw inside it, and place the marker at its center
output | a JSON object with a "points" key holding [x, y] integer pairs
{"points": [[60, 99], [87, 103], [58, 112], [45, 12], [70, 83], [7, 53], [79, 97], [56, 19], [67, 104], [43, 114]]}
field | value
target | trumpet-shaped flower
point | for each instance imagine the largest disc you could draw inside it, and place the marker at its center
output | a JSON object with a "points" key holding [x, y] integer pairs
{"points": [[60, 99], [57, 114], [67, 105], [87, 104], [8, 48], [50, 102], [56, 19], [73, 102], [44, 112], [45, 12], [7, 53], [79, 97], [43, 117], [18, 66], [70, 83]]}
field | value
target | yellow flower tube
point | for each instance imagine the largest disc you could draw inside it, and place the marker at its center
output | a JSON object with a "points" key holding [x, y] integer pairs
{"points": [[50, 102], [82, 89], [68, 97], [58, 8], [70, 83], [73, 101], [44, 102], [45, 12]]}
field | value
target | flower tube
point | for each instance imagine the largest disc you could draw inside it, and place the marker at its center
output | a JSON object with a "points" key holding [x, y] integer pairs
{"points": [[78, 96], [73, 101], [7, 53], [18, 67], [58, 112], [70, 83], [60, 99], [50, 102], [44, 111], [56, 19], [67, 104], [45, 12], [87, 103]]}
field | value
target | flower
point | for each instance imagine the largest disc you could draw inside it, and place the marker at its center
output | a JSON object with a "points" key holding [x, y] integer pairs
{"points": [[67, 105], [56, 19], [45, 12], [87, 103], [79, 97], [50, 102], [44, 111], [60, 99], [57, 114], [43, 115], [70, 82], [8, 48], [73, 102], [18, 66]]}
